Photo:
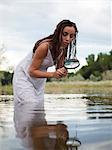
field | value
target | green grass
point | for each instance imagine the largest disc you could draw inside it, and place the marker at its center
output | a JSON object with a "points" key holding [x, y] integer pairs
{"points": [[75, 87], [79, 87], [6, 90]]}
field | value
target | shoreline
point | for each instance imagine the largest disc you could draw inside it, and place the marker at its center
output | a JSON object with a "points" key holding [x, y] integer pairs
{"points": [[79, 87], [70, 87]]}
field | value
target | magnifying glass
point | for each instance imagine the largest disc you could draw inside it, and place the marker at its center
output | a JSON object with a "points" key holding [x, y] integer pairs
{"points": [[71, 61]]}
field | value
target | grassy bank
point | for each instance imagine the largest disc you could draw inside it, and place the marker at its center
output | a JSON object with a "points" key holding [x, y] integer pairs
{"points": [[78, 87], [6, 90]]}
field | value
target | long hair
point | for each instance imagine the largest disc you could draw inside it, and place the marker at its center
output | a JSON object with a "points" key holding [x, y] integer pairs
{"points": [[55, 38]]}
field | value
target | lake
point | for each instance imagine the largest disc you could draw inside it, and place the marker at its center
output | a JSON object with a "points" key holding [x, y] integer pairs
{"points": [[68, 122]]}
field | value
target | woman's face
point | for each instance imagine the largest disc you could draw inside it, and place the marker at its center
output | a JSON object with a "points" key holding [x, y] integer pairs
{"points": [[68, 34]]}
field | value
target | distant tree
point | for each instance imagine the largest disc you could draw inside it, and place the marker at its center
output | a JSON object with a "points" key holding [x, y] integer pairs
{"points": [[110, 52], [110, 60], [6, 78], [90, 59], [105, 61], [95, 68], [85, 71]]}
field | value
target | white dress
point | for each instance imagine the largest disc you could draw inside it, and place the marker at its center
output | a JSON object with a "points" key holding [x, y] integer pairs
{"points": [[27, 88]]}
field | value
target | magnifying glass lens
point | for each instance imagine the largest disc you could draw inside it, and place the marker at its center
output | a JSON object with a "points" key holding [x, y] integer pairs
{"points": [[71, 63]]}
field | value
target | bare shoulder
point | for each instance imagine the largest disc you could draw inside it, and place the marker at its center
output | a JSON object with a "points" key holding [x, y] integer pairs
{"points": [[42, 49]]}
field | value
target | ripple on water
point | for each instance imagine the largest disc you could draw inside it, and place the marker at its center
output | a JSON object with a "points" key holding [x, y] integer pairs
{"points": [[88, 117]]}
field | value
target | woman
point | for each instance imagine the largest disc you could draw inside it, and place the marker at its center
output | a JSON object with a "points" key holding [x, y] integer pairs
{"points": [[31, 73], [36, 132]]}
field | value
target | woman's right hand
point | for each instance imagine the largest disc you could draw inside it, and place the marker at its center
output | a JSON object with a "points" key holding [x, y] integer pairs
{"points": [[59, 73]]}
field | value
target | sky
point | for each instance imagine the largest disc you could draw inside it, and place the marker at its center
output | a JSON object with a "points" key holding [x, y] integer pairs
{"points": [[23, 22]]}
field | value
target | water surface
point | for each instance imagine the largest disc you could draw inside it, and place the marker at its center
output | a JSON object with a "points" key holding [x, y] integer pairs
{"points": [[87, 118]]}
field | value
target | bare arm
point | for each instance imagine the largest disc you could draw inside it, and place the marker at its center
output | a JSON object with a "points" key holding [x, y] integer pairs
{"points": [[34, 69]]}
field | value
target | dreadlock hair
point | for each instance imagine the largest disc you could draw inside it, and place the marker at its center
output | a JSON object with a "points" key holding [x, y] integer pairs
{"points": [[55, 38]]}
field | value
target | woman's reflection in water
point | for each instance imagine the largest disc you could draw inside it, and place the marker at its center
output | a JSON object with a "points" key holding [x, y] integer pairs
{"points": [[34, 131]]}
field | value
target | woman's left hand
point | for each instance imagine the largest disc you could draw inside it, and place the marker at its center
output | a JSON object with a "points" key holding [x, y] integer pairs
{"points": [[62, 72]]}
